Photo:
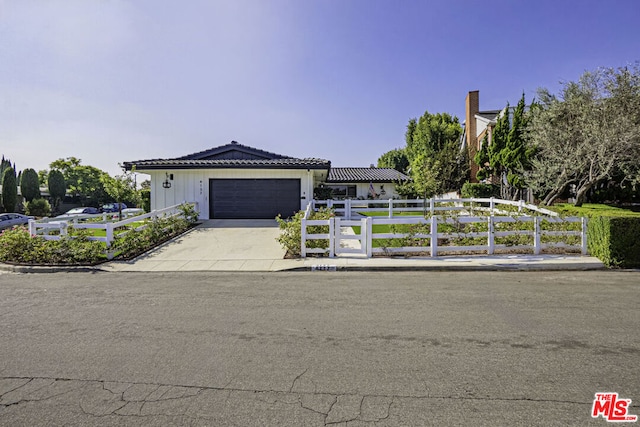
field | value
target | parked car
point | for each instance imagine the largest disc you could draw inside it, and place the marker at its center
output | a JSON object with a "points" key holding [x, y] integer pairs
{"points": [[81, 211], [8, 220], [113, 207]]}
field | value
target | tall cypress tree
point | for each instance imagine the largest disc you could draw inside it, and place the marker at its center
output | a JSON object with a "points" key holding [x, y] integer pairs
{"points": [[29, 184], [9, 190]]}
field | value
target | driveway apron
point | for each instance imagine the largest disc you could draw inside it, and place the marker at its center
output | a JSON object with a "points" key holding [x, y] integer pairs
{"points": [[216, 245]]}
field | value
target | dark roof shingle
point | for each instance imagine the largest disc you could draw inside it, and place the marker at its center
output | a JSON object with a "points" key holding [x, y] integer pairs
{"points": [[231, 155], [365, 175]]}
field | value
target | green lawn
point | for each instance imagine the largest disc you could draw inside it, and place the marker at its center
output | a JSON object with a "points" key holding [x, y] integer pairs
{"points": [[408, 213]]}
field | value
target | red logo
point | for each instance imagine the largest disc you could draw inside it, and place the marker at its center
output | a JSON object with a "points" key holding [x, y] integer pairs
{"points": [[612, 408]]}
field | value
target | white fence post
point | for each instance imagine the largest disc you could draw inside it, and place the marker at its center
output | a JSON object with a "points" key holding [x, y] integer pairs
{"points": [[368, 225], [536, 235], [303, 237], [63, 228], [332, 242], [347, 209], [520, 205], [583, 242], [432, 207], [491, 206], [32, 227], [434, 235], [490, 236], [337, 233], [109, 230]]}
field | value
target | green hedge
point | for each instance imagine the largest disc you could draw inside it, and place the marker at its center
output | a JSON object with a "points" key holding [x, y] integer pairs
{"points": [[615, 240], [470, 190]]}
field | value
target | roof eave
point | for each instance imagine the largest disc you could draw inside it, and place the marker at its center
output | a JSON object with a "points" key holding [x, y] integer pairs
{"points": [[142, 168]]}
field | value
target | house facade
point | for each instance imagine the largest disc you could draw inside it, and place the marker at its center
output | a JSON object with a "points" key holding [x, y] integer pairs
{"points": [[235, 181]]}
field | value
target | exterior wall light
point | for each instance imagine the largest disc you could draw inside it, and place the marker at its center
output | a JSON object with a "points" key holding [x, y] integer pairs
{"points": [[166, 183]]}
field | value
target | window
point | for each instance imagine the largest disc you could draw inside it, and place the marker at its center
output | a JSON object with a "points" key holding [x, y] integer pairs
{"points": [[343, 191]]}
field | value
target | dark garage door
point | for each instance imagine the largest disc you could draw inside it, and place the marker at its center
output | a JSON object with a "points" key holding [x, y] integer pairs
{"points": [[253, 198]]}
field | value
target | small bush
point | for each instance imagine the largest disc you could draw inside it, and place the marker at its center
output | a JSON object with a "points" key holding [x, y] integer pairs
{"points": [[614, 240], [189, 212], [291, 232], [471, 190], [37, 207]]}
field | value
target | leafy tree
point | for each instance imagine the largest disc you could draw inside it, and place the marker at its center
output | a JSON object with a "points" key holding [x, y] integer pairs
{"points": [[587, 134], [9, 189], [396, 159], [43, 176], [436, 162], [29, 184], [82, 181], [121, 188], [57, 187]]}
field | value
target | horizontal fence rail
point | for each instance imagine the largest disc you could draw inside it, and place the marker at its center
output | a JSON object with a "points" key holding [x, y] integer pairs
{"points": [[59, 225], [533, 223], [354, 207]]}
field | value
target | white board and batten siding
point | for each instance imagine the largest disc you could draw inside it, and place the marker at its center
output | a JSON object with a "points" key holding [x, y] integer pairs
{"points": [[362, 190], [192, 185]]}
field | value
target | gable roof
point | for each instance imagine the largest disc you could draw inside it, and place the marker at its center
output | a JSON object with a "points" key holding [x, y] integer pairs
{"points": [[365, 175], [232, 155]]}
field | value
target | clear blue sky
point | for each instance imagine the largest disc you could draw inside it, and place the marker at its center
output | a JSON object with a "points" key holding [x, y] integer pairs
{"points": [[110, 81]]}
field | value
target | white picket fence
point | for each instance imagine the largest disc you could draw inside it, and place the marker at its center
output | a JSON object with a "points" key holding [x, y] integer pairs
{"points": [[341, 239], [43, 228], [351, 207]]}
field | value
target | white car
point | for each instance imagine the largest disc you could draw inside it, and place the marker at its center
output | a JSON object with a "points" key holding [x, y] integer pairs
{"points": [[8, 220]]}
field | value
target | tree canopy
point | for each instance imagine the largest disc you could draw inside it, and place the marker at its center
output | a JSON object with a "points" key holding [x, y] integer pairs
{"points": [[82, 181], [431, 156], [121, 188], [586, 134], [437, 164], [396, 159]]}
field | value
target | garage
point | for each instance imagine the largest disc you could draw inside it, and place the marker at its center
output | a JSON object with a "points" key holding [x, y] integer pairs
{"points": [[253, 198]]}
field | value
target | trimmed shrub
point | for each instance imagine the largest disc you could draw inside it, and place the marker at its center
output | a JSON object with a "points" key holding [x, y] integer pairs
{"points": [[29, 184], [614, 240], [471, 190], [37, 207]]}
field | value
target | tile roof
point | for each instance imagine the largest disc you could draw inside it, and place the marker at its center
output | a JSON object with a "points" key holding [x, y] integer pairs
{"points": [[233, 147], [231, 155], [365, 175]]}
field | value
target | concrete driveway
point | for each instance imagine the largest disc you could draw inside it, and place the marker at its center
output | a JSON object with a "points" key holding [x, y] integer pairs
{"points": [[216, 245]]}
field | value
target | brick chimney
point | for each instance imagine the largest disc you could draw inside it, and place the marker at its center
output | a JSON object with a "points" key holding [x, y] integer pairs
{"points": [[472, 107]]}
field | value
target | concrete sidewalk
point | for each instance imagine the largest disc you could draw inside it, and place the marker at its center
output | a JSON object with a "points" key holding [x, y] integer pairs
{"points": [[451, 263]]}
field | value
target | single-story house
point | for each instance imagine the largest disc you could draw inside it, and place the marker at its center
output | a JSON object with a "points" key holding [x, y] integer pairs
{"points": [[241, 182], [364, 183]]}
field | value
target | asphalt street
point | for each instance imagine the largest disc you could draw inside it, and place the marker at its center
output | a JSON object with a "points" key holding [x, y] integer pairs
{"points": [[316, 348]]}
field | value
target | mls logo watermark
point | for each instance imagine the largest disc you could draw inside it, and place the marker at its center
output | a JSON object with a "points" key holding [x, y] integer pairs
{"points": [[612, 409]]}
